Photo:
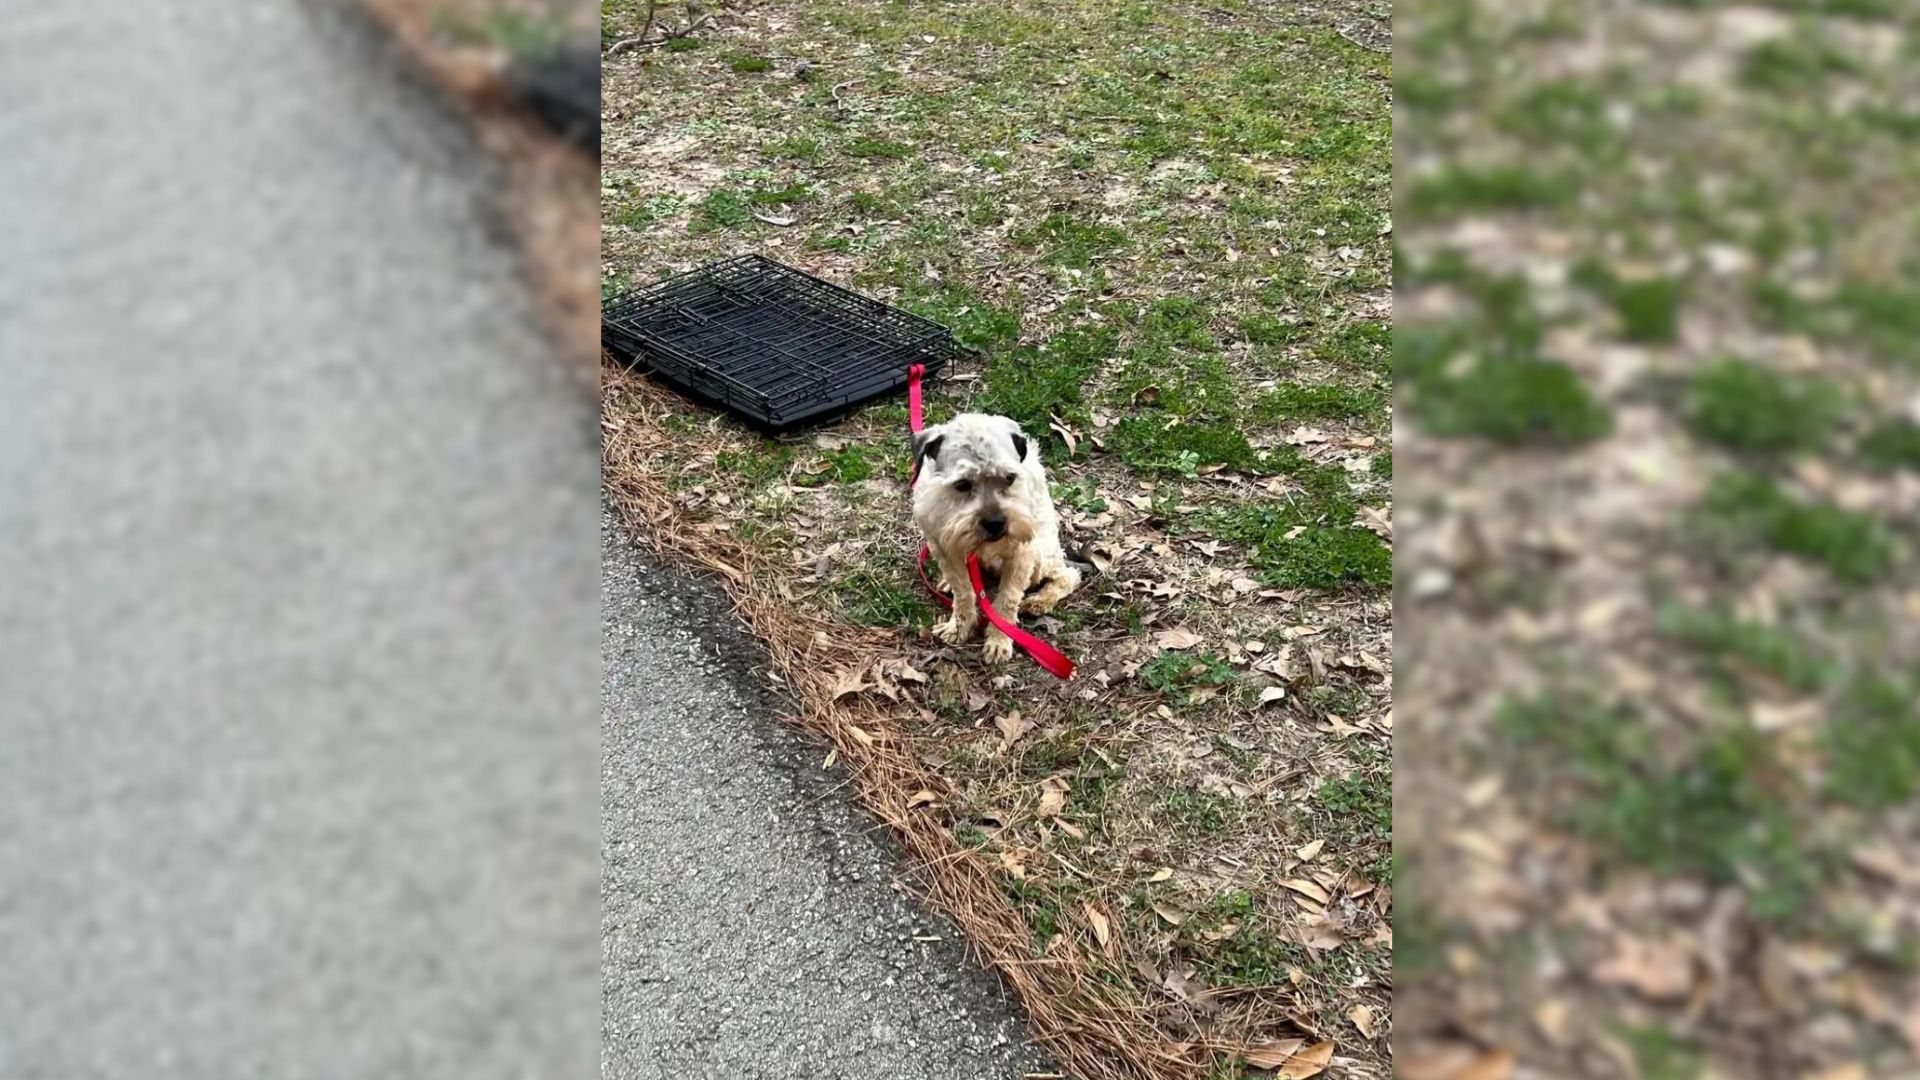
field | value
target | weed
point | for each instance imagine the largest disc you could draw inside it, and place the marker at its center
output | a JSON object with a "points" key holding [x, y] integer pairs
{"points": [[748, 64], [1175, 673], [723, 209], [1795, 64], [1358, 815], [1170, 445], [649, 210], [756, 466]]}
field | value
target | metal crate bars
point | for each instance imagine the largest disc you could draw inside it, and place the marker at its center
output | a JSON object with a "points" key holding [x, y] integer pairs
{"points": [[778, 346]]}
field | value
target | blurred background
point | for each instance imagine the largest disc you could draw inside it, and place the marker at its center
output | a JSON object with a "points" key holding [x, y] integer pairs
{"points": [[298, 531], [1658, 324]]}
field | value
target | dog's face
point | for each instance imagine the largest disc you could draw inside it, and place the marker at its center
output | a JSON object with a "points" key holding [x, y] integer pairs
{"points": [[976, 472]]}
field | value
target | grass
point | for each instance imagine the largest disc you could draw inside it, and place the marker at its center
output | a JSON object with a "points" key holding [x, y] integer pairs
{"points": [[1851, 546], [1731, 646], [1872, 744], [1032, 385], [1719, 810], [1163, 236], [1742, 406], [1354, 814], [1892, 445], [1508, 395], [1462, 190]]}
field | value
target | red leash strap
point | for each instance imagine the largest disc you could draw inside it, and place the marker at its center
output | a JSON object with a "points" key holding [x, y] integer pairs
{"points": [[1050, 659]]}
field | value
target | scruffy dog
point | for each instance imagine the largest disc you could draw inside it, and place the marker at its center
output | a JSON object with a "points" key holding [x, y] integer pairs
{"points": [[981, 489]]}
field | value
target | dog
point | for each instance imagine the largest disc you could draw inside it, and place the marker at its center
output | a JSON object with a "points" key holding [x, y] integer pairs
{"points": [[981, 490]]}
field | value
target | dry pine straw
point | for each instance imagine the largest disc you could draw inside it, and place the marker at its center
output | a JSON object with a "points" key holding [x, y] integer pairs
{"points": [[1094, 1027]]}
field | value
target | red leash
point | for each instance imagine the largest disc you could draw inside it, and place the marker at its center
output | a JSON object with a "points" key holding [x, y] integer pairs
{"points": [[1049, 658]]}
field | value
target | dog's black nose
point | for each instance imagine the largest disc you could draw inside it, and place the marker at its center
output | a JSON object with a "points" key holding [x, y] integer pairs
{"points": [[995, 527]]}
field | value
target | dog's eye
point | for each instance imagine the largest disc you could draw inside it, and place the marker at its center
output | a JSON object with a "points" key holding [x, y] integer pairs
{"points": [[963, 486]]}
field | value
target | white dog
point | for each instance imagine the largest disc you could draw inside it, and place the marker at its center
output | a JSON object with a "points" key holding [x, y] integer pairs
{"points": [[981, 490]]}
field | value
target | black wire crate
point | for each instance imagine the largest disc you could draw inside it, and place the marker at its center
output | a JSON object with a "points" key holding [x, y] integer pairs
{"points": [[776, 345]]}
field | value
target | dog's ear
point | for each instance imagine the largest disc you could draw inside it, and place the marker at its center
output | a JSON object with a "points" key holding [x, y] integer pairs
{"points": [[1020, 445], [926, 444]]}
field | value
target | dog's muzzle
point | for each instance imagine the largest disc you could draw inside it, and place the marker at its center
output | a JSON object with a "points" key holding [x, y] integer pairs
{"points": [[994, 527]]}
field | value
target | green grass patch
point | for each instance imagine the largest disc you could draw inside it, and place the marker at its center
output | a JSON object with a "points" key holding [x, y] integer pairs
{"points": [[1719, 810], [1872, 745], [1034, 383], [1463, 190], [1506, 394], [1851, 546], [1176, 673], [1354, 814], [872, 149], [757, 466], [1071, 242], [1745, 407], [1158, 442], [723, 209], [1294, 401], [1795, 64], [888, 598], [1731, 645], [648, 210], [848, 465], [748, 64], [1892, 445]]}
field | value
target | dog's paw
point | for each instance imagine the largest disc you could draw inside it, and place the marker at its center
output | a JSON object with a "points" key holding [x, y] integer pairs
{"points": [[998, 649], [953, 632]]}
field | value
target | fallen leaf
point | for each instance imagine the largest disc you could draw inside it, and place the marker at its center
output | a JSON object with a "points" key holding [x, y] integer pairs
{"points": [[1362, 1018], [1245, 585], [1177, 639], [1272, 694], [1053, 797], [849, 682], [1271, 1055], [1493, 1065], [1656, 971], [1160, 875], [1309, 1062], [1552, 1017], [1012, 727], [770, 218], [1308, 851], [977, 700], [864, 738], [1065, 433], [922, 798], [1102, 927], [1308, 889], [1169, 912]]}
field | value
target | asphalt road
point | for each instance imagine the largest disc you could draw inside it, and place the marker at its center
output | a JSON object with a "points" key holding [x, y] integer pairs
{"points": [[752, 928], [298, 575]]}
